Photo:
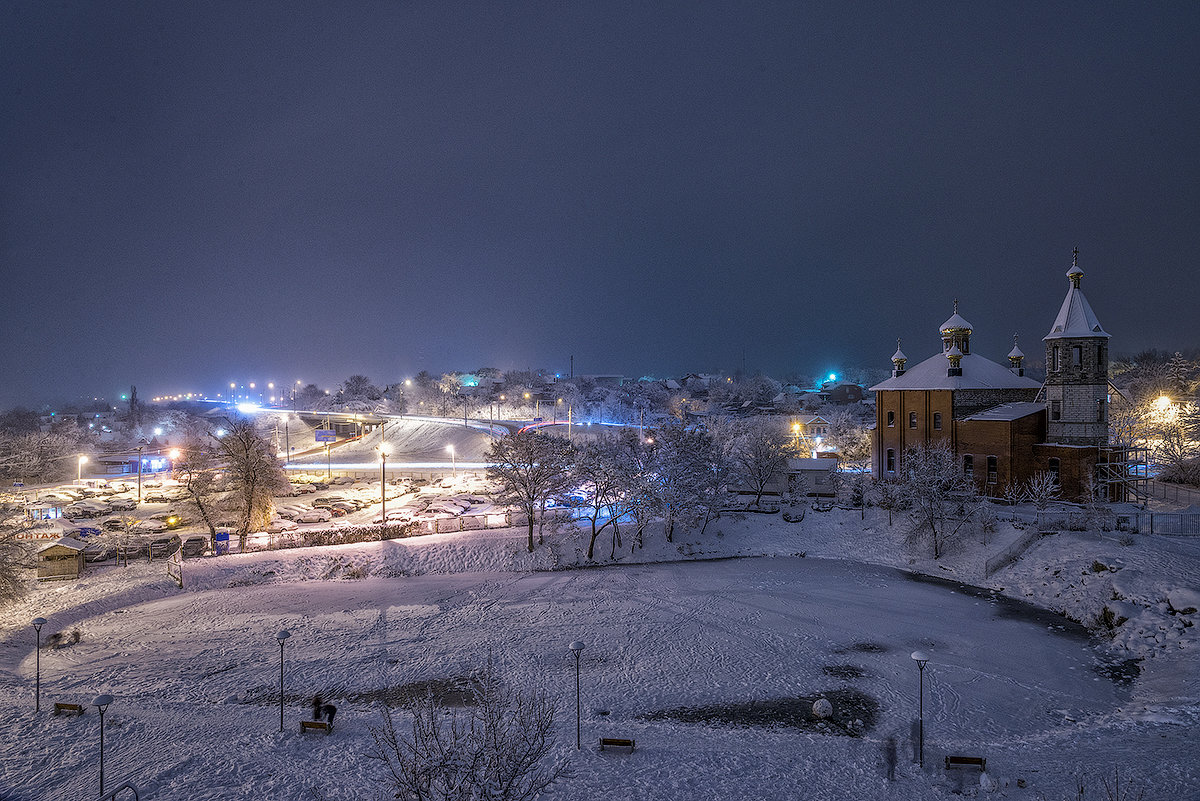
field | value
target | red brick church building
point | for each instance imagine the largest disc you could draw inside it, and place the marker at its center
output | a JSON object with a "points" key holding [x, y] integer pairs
{"points": [[1002, 426]]}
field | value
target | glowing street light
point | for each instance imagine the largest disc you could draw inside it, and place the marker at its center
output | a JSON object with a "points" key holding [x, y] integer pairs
{"points": [[79, 470], [383, 455]]}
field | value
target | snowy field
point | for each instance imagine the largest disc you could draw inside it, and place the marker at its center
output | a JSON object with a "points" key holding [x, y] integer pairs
{"points": [[676, 628]]}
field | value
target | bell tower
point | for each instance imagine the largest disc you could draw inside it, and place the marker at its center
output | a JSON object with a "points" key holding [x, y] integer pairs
{"points": [[1076, 370]]}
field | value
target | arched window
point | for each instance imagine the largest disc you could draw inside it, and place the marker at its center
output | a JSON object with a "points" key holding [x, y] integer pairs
{"points": [[912, 419], [937, 421], [891, 460], [891, 419]]}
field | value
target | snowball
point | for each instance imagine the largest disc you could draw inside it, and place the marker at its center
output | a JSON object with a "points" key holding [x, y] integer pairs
{"points": [[822, 708]]}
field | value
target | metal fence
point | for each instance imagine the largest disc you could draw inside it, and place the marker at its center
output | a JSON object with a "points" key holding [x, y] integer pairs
{"points": [[1012, 553], [1169, 524], [1173, 493]]}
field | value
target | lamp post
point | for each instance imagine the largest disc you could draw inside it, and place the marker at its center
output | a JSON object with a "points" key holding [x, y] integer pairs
{"points": [[282, 637], [453, 461], [577, 649], [383, 455], [79, 471], [101, 703], [38, 622], [921, 659]]}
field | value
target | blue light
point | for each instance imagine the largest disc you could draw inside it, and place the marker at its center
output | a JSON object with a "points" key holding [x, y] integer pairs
{"points": [[833, 376]]}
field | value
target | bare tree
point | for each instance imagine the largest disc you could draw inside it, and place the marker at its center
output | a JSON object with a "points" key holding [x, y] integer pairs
{"points": [[939, 496], [681, 458], [530, 468], [255, 476], [1041, 490], [501, 749]]}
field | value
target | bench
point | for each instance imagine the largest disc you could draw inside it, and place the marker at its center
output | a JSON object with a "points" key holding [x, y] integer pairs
{"points": [[74, 709], [964, 761], [616, 742], [315, 725]]}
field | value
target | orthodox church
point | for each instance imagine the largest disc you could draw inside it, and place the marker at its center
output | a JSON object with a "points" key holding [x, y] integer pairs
{"points": [[1002, 426]]}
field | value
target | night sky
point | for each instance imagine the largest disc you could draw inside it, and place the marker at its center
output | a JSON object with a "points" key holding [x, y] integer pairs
{"points": [[199, 193]]}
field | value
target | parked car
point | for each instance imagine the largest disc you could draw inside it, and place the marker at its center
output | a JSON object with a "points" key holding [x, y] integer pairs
{"points": [[113, 524], [122, 504], [304, 489], [149, 527], [337, 511], [279, 525], [315, 516]]}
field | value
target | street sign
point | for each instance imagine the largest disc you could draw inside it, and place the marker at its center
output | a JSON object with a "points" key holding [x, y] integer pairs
{"points": [[326, 435]]}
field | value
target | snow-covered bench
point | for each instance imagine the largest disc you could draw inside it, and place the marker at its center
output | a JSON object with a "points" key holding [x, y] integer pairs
{"points": [[616, 742], [963, 761], [315, 725], [60, 707]]}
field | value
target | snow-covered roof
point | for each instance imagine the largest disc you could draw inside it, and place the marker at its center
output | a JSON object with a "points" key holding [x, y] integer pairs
{"points": [[1008, 411], [811, 464], [1075, 318], [1016, 353], [899, 356], [977, 373], [66, 542], [956, 321]]}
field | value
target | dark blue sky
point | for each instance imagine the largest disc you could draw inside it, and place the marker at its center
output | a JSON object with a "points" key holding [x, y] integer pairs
{"points": [[195, 194]]}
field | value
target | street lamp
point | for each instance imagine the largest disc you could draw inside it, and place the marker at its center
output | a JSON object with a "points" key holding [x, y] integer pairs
{"points": [[383, 455], [38, 622], [921, 659], [79, 473], [577, 649], [101, 703], [282, 637], [453, 461]]}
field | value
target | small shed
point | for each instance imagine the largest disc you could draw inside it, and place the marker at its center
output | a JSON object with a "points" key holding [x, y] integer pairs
{"points": [[60, 560], [814, 475]]}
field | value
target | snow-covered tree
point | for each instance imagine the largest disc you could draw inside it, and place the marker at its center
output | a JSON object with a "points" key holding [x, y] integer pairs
{"points": [[601, 475], [15, 558], [198, 472], [938, 495], [500, 749], [759, 456], [682, 460], [254, 475], [1042, 489], [530, 468]]}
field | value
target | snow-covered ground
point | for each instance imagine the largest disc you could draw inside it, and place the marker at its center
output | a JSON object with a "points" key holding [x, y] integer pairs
{"points": [[195, 672]]}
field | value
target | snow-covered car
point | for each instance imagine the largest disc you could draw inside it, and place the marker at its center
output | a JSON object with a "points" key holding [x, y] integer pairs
{"points": [[341, 480], [149, 526], [337, 511], [86, 509], [279, 525], [161, 496], [345, 507], [113, 524], [303, 489], [395, 516], [315, 516], [122, 504]]}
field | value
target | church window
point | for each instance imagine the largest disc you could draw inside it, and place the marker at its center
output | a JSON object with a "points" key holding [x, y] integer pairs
{"points": [[891, 460], [937, 421], [912, 419], [1077, 355], [968, 465], [1055, 410], [891, 419], [991, 469]]}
